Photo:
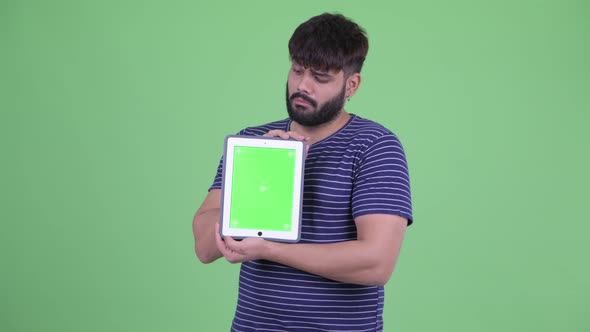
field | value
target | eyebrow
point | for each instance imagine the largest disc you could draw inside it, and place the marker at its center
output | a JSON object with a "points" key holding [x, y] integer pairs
{"points": [[313, 71]]}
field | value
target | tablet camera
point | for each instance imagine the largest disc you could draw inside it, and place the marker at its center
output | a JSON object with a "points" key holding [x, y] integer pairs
{"points": [[259, 233]]}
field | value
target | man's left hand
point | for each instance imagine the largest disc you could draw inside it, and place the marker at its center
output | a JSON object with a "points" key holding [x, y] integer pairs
{"points": [[240, 251]]}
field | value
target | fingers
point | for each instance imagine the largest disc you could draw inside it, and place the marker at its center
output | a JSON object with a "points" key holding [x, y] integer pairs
{"points": [[225, 247], [286, 135], [219, 242], [277, 133], [231, 244], [297, 136], [289, 134]]}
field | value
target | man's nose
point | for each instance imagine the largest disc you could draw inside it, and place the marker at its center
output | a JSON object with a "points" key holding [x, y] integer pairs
{"points": [[305, 84]]}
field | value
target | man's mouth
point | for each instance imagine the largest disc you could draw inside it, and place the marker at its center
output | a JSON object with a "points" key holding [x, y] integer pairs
{"points": [[301, 102]]}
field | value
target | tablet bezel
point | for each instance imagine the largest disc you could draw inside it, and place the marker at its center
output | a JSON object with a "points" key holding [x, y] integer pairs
{"points": [[233, 141]]}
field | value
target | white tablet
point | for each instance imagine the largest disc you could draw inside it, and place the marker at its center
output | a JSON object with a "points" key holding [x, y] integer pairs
{"points": [[262, 188]]}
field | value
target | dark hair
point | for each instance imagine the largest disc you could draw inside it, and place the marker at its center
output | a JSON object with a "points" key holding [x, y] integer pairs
{"points": [[329, 41]]}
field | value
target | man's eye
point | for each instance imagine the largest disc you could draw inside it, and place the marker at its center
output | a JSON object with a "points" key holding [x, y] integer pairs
{"points": [[320, 79], [297, 71]]}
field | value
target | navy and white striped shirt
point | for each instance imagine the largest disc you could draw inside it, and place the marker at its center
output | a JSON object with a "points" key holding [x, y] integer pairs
{"points": [[361, 169]]}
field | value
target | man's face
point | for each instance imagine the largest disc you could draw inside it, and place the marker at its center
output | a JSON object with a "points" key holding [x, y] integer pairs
{"points": [[314, 97]]}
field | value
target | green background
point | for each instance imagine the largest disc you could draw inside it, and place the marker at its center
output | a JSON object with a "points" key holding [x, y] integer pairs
{"points": [[263, 184], [113, 115]]}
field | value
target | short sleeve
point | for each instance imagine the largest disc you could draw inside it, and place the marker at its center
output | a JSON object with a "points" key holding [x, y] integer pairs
{"points": [[217, 181], [382, 182]]}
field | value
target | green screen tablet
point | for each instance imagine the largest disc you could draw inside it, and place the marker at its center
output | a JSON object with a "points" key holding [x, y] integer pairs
{"points": [[262, 188]]}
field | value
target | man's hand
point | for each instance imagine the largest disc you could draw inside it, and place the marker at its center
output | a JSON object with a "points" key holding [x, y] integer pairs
{"points": [[289, 134], [286, 134], [240, 251]]}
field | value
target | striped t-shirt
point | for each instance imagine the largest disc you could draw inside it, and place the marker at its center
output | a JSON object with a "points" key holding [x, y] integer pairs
{"points": [[361, 169]]}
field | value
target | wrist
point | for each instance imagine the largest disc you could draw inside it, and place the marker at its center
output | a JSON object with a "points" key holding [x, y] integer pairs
{"points": [[269, 249]]}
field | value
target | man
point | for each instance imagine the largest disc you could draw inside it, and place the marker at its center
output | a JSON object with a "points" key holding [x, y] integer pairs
{"points": [[356, 203]]}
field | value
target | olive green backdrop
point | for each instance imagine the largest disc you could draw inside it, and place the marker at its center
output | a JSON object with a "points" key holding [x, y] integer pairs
{"points": [[113, 115]]}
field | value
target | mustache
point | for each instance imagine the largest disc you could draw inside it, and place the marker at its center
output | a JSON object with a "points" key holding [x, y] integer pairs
{"points": [[304, 97]]}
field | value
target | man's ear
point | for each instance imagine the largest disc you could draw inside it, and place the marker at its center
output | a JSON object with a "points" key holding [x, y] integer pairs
{"points": [[352, 84]]}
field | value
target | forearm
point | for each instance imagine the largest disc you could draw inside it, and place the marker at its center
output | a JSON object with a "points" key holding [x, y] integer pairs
{"points": [[204, 233], [368, 260], [357, 262]]}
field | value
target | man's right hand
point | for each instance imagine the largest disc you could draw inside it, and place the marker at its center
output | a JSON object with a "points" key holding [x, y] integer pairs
{"points": [[289, 134]]}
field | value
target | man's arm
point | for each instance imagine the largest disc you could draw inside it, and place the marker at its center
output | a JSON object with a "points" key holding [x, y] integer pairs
{"points": [[204, 222], [209, 213], [369, 260]]}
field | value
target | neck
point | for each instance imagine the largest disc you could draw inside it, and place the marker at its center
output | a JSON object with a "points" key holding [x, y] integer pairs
{"points": [[318, 133]]}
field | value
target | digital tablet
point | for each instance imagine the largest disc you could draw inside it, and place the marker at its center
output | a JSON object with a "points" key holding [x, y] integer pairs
{"points": [[262, 188]]}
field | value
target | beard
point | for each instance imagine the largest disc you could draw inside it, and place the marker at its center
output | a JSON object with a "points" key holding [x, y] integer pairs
{"points": [[312, 117]]}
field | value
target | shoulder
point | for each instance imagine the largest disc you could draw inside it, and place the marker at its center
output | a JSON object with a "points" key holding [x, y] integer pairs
{"points": [[263, 129], [370, 133]]}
